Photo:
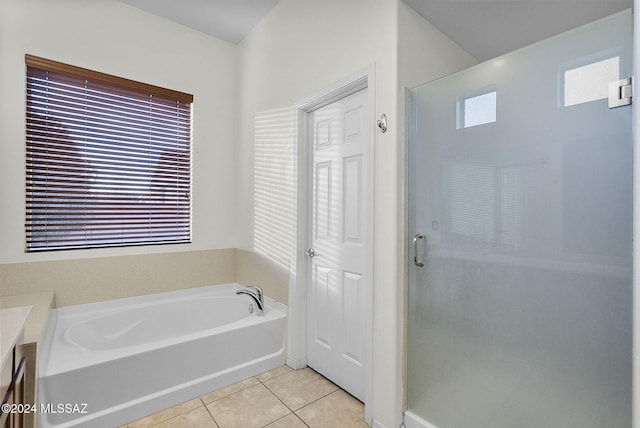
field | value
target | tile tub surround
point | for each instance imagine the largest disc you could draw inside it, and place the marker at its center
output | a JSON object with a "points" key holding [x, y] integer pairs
{"points": [[87, 280], [78, 281], [254, 268], [280, 398]]}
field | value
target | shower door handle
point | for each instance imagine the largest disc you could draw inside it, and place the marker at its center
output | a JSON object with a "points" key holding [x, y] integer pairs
{"points": [[416, 238]]}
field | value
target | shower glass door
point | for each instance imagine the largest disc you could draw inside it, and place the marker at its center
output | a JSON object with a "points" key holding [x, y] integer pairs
{"points": [[521, 214]]}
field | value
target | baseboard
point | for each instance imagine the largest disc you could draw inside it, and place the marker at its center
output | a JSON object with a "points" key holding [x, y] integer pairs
{"points": [[376, 424], [411, 420], [297, 364]]}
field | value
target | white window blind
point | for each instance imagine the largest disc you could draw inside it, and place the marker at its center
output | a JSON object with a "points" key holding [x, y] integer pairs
{"points": [[108, 160]]}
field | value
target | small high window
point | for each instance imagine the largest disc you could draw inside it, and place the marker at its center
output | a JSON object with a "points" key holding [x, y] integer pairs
{"points": [[477, 109], [108, 160], [589, 82]]}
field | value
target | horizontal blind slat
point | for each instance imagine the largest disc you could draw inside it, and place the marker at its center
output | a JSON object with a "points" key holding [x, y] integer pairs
{"points": [[106, 165]]}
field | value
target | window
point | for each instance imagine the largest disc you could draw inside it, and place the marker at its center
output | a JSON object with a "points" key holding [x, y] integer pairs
{"points": [[590, 82], [108, 160], [477, 109]]}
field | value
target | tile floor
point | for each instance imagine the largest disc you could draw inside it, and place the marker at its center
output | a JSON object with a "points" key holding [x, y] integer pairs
{"points": [[280, 398]]}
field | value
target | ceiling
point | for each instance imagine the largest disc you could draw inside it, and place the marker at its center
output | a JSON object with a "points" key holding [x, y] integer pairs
{"points": [[489, 28], [484, 28], [229, 20]]}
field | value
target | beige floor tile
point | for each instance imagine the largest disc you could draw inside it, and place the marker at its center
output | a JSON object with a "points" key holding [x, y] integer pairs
{"points": [[251, 407], [231, 389], [198, 418], [299, 388], [169, 413], [338, 409], [279, 371], [289, 421]]}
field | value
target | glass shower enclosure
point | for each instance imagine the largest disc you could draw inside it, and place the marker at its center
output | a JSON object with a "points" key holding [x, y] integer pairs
{"points": [[520, 222]]}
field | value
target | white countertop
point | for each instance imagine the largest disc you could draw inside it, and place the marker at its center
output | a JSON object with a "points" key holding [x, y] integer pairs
{"points": [[11, 329], [36, 325]]}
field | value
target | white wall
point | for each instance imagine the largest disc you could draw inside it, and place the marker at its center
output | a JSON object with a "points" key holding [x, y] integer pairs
{"points": [[114, 38], [299, 49], [424, 53]]}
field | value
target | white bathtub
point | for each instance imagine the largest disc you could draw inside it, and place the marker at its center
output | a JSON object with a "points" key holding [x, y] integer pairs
{"points": [[123, 359]]}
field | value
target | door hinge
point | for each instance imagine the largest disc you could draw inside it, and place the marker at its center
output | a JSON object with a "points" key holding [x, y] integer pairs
{"points": [[620, 93]]}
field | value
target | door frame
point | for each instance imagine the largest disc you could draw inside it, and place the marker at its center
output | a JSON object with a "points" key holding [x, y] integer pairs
{"points": [[300, 281]]}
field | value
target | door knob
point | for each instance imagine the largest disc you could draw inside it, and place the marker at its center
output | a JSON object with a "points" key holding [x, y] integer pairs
{"points": [[311, 253]]}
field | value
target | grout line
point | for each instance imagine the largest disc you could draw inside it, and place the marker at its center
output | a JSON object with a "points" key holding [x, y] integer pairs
{"points": [[173, 417], [288, 414], [274, 377], [300, 418], [260, 382], [164, 410], [276, 395], [210, 414], [308, 404], [318, 399], [279, 399], [232, 393]]}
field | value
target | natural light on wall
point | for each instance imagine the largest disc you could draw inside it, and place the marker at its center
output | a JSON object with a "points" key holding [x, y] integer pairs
{"points": [[275, 185], [590, 82]]}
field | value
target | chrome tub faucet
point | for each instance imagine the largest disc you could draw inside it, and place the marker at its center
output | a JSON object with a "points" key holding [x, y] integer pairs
{"points": [[258, 297]]}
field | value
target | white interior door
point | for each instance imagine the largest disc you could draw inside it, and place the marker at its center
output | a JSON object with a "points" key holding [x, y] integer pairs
{"points": [[339, 241]]}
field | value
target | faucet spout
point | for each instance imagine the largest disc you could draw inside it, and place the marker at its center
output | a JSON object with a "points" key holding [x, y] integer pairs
{"points": [[258, 297]]}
